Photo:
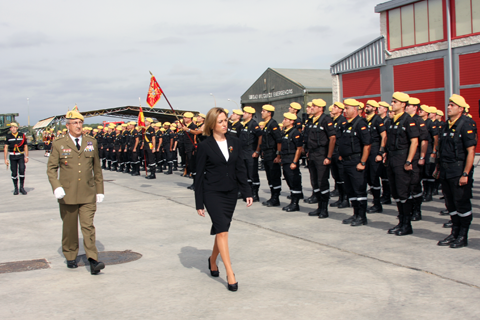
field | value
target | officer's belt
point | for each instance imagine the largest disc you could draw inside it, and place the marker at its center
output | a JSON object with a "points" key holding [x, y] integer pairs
{"points": [[375, 144], [452, 164], [317, 149], [397, 152], [352, 156]]}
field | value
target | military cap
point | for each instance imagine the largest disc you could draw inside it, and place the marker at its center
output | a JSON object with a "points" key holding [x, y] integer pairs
{"points": [[238, 111], [124, 124], [440, 113], [400, 96], [290, 116], [361, 105], [414, 101], [188, 115], [64, 130], [149, 120], [119, 128], [319, 102], [330, 108], [13, 124], [173, 125], [100, 127], [295, 105], [339, 105], [384, 104], [351, 102], [268, 107], [249, 109], [226, 111], [280, 125], [166, 123], [95, 130], [373, 103], [201, 115], [433, 109], [425, 108], [74, 115], [309, 104], [262, 123], [459, 101], [162, 129], [132, 123]]}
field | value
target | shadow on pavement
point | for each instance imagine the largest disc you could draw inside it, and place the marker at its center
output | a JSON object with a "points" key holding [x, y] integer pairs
{"points": [[191, 257]]}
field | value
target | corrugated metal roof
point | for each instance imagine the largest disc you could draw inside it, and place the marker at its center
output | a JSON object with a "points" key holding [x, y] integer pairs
{"points": [[370, 55], [309, 79], [392, 4]]}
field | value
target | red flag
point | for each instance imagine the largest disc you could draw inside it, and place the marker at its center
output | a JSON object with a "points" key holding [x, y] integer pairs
{"points": [[141, 119], [154, 92], [75, 108]]}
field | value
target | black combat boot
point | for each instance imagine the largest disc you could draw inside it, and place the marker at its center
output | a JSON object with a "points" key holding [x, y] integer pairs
{"points": [[127, 168], [15, 184], [417, 209], [428, 191], [265, 203], [377, 205], [289, 205], [312, 199], [159, 168], [255, 193], [341, 196], [294, 204], [345, 202], [323, 209], [406, 228], [361, 218], [104, 161], [22, 190], [152, 173], [462, 239], [175, 165], [136, 169], [400, 219], [319, 209], [355, 205], [452, 237], [192, 186], [275, 199], [109, 165], [335, 192], [386, 192], [170, 168]]}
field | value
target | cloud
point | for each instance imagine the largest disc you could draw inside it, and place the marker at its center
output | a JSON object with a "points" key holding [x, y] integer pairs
{"points": [[214, 29], [318, 29], [25, 39], [181, 70], [168, 41]]}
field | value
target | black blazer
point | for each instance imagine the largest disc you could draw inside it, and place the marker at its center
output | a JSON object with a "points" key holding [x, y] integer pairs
{"points": [[214, 173]]}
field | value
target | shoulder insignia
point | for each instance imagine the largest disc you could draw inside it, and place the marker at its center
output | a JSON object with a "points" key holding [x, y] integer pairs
{"points": [[412, 124], [363, 128], [297, 137], [350, 128], [344, 122], [275, 128], [330, 123], [397, 123], [381, 124], [434, 127], [256, 127], [422, 124], [470, 131]]}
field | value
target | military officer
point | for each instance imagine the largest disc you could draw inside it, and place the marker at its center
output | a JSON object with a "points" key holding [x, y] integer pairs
{"points": [[455, 169], [402, 144], [382, 112], [167, 141], [250, 136], [291, 151], [117, 148], [149, 143], [78, 188], [354, 149], [159, 154], [425, 113], [174, 146], [295, 108], [190, 144], [321, 141], [235, 125], [271, 145], [16, 150], [313, 198]]}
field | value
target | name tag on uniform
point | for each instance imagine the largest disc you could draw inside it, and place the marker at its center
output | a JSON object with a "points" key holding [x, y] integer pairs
{"points": [[395, 127], [314, 126], [321, 128], [348, 131], [444, 134]]}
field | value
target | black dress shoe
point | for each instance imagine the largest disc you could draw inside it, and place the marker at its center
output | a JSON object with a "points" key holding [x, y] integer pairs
{"points": [[213, 273], [232, 287], [72, 264], [95, 266]]}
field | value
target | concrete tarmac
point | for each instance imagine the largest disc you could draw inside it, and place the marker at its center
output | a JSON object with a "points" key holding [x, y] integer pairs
{"points": [[288, 265]]}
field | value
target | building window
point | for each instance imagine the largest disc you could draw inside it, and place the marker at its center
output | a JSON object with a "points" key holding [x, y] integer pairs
{"points": [[418, 23], [467, 17]]}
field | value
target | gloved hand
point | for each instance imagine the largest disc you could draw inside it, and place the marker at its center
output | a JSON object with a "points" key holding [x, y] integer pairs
{"points": [[100, 197], [59, 193]]}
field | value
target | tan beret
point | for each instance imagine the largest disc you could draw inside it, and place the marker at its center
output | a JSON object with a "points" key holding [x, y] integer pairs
{"points": [[100, 127], [384, 104], [440, 113], [309, 104], [373, 103], [319, 102], [351, 102], [13, 124], [339, 105], [424, 107], [414, 101], [249, 109], [433, 109], [296, 105], [188, 115], [400, 96], [226, 110], [74, 115], [238, 111], [166, 123], [268, 107], [459, 101], [201, 115], [290, 116], [262, 123], [330, 108]]}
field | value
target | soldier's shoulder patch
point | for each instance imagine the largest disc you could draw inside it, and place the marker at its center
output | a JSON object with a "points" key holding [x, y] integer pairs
{"points": [[257, 127], [380, 125], [330, 123], [434, 127], [297, 137], [470, 131], [275, 128], [344, 122], [363, 128], [422, 124], [412, 124]]}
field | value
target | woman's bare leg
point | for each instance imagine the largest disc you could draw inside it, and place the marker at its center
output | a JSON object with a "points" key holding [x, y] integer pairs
{"points": [[222, 244], [213, 257]]}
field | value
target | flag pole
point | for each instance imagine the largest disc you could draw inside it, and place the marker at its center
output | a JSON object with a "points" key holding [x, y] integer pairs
{"points": [[143, 142]]}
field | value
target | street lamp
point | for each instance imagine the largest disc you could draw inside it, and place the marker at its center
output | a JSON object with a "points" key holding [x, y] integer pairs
{"points": [[214, 99], [28, 110], [233, 102]]}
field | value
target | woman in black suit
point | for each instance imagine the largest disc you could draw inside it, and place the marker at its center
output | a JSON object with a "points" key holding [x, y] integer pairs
{"points": [[221, 172]]}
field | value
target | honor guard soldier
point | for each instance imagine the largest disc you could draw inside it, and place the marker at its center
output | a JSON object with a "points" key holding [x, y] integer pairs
{"points": [[149, 147], [271, 145], [174, 146], [235, 126], [321, 141], [16, 150], [78, 189], [108, 145], [190, 143], [339, 121], [124, 158], [382, 112], [455, 169], [440, 126], [294, 109], [134, 148], [168, 144], [418, 162], [378, 135], [159, 154], [117, 148], [291, 151], [402, 144], [250, 137], [100, 140], [354, 149], [426, 114]]}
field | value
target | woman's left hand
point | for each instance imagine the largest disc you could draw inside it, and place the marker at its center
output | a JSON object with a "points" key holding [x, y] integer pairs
{"points": [[201, 212], [249, 201]]}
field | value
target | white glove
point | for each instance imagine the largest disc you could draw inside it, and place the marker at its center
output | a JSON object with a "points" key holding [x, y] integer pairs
{"points": [[100, 198], [59, 193]]}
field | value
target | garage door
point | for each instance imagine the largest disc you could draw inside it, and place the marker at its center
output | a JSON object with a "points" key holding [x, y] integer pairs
{"points": [[361, 84]]}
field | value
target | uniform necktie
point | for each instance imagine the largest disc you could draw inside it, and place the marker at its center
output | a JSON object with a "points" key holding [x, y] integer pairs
{"points": [[76, 143]]}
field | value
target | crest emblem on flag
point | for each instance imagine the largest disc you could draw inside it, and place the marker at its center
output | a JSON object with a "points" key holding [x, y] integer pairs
{"points": [[154, 92]]}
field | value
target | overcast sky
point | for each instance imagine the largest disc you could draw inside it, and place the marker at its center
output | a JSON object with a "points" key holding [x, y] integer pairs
{"points": [[97, 54]]}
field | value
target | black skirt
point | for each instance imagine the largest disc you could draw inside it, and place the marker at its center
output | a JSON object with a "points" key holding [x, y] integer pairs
{"points": [[220, 206]]}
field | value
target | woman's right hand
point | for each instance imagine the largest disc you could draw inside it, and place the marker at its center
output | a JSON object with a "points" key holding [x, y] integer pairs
{"points": [[201, 212]]}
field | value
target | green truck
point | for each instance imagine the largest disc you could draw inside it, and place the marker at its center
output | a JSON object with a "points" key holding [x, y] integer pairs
{"points": [[33, 142]]}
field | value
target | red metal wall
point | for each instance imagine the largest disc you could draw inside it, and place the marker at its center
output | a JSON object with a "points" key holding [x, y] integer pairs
{"points": [[361, 83], [436, 99], [469, 68], [419, 75]]}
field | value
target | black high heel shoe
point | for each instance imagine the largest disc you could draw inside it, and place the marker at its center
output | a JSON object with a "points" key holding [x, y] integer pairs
{"points": [[213, 273], [232, 287]]}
